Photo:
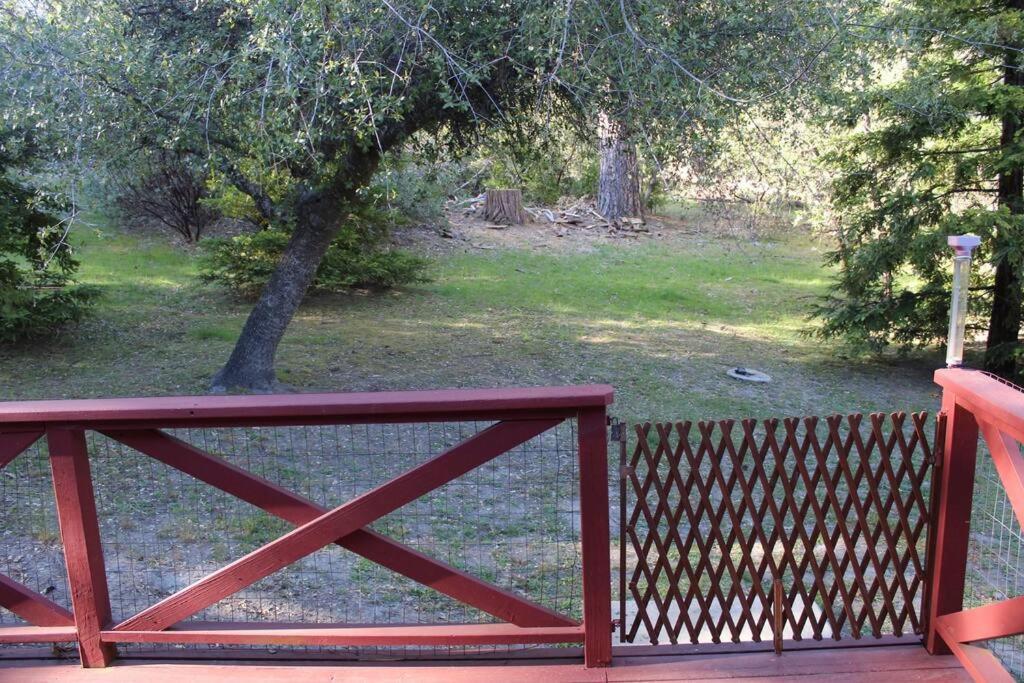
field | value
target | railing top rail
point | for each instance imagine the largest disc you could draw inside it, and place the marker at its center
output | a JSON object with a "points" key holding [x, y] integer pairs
{"points": [[986, 396], [297, 408]]}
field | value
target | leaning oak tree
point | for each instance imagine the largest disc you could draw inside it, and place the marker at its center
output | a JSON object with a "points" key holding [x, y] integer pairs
{"points": [[320, 91]]}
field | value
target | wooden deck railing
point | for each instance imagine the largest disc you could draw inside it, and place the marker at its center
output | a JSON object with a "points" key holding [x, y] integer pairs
{"points": [[518, 415], [973, 402]]}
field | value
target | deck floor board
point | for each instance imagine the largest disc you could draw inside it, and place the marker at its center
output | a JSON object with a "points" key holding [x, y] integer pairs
{"points": [[901, 662]]}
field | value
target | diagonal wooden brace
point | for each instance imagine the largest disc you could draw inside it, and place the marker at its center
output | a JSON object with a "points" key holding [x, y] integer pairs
{"points": [[996, 620], [337, 523], [26, 603], [1009, 465], [13, 444], [31, 606], [375, 547]]}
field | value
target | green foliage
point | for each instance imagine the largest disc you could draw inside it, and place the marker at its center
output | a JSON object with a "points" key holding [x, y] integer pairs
{"points": [[546, 158], [921, 161], [269, 90], [227, 200], [408, 192], [36, 265], [244, 264]]}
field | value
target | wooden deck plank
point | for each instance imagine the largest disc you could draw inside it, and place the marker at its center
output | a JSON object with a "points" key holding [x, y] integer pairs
{"points": [[907, 660], [871, 664]]}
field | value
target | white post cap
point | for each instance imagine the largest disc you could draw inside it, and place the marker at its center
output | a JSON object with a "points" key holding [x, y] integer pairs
{"points": [[963, 245]]}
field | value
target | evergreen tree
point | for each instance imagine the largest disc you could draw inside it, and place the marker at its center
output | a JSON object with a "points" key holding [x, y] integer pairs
{"points": [[36, 265], [935, 149]]}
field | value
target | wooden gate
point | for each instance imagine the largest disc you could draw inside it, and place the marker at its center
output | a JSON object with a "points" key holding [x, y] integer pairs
{"points": [[775, 531]]}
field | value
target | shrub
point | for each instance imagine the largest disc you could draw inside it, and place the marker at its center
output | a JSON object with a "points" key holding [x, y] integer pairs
{"points": [[169, 192], [243, 264], [36, 265], [412, 193]]}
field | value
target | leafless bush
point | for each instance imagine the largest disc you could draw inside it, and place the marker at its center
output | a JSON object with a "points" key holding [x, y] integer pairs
{"points": [[169, 193]]}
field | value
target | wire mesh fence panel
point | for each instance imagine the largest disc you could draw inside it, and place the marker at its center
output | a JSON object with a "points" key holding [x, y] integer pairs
{"points": [[30, 548], [995, 560], [513, 522], [831, 513]]}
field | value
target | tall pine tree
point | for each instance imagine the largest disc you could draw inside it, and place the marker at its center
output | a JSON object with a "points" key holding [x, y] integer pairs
{"points": [[935, 149]]}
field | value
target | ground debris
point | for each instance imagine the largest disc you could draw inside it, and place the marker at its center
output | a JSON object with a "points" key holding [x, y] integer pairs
{"points": [[567, 214]]}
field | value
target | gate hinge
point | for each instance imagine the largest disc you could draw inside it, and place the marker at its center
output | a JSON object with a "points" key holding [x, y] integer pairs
{"points": [[617, 430]]}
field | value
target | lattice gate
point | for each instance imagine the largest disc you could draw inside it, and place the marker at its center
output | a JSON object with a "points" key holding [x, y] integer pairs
{"points": [[776, 530]]}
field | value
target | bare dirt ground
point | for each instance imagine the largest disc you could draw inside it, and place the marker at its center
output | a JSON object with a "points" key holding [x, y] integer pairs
{"points": [[469, 231]]}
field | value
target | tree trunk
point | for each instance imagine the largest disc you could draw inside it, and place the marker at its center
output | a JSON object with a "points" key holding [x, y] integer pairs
{"points": [[319, 217], [251, 365], [504, 206], [1005, 319], [618, 187]]}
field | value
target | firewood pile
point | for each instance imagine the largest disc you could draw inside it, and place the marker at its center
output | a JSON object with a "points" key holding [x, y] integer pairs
{"points": [[575, 214]]}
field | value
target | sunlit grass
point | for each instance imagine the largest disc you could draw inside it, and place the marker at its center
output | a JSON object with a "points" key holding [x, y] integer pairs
{"points": [[660, 321]]}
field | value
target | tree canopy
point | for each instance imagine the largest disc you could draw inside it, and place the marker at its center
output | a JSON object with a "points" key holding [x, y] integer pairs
{"points": [[295, 102]]}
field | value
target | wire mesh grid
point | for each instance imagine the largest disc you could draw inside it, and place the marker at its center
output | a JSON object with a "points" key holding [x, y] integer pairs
{"points": [[30, 549], [995, 559], [717, 513], [513, 522]]}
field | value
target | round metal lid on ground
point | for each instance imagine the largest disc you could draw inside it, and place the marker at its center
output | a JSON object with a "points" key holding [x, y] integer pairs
{"points": [[749, 375]]}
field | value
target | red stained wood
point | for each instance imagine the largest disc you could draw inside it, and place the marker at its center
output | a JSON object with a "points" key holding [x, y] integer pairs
{"points": [[371, 545], [408, 406], [986, 396], [597, 599], [343, 520], [953, 517], [998, 409], [247, 633], [876, 664], [38, 634], [13, 444], [1009, 464], [980, 663], [79, 531], [1000, 619], [34, 608]]}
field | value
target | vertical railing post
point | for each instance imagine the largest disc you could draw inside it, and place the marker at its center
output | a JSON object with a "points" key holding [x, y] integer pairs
{"points": [[79, 532], [594, 536], [948, 567]]}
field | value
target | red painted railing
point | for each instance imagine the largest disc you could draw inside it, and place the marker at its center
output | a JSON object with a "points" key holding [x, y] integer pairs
{"points": [[518, 415], [973, 402]]}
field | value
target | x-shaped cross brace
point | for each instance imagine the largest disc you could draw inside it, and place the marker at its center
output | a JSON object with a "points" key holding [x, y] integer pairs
{"points": [[343, 525]]}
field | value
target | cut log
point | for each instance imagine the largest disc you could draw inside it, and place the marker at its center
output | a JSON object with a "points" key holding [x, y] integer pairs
{"points": [[504, 206]]}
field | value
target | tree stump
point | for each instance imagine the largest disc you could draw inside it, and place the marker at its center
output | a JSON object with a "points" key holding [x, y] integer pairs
{"points": [[504, 206]]}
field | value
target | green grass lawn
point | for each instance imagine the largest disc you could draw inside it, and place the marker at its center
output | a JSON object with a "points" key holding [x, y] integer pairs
{"points": [[660, 321]]}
